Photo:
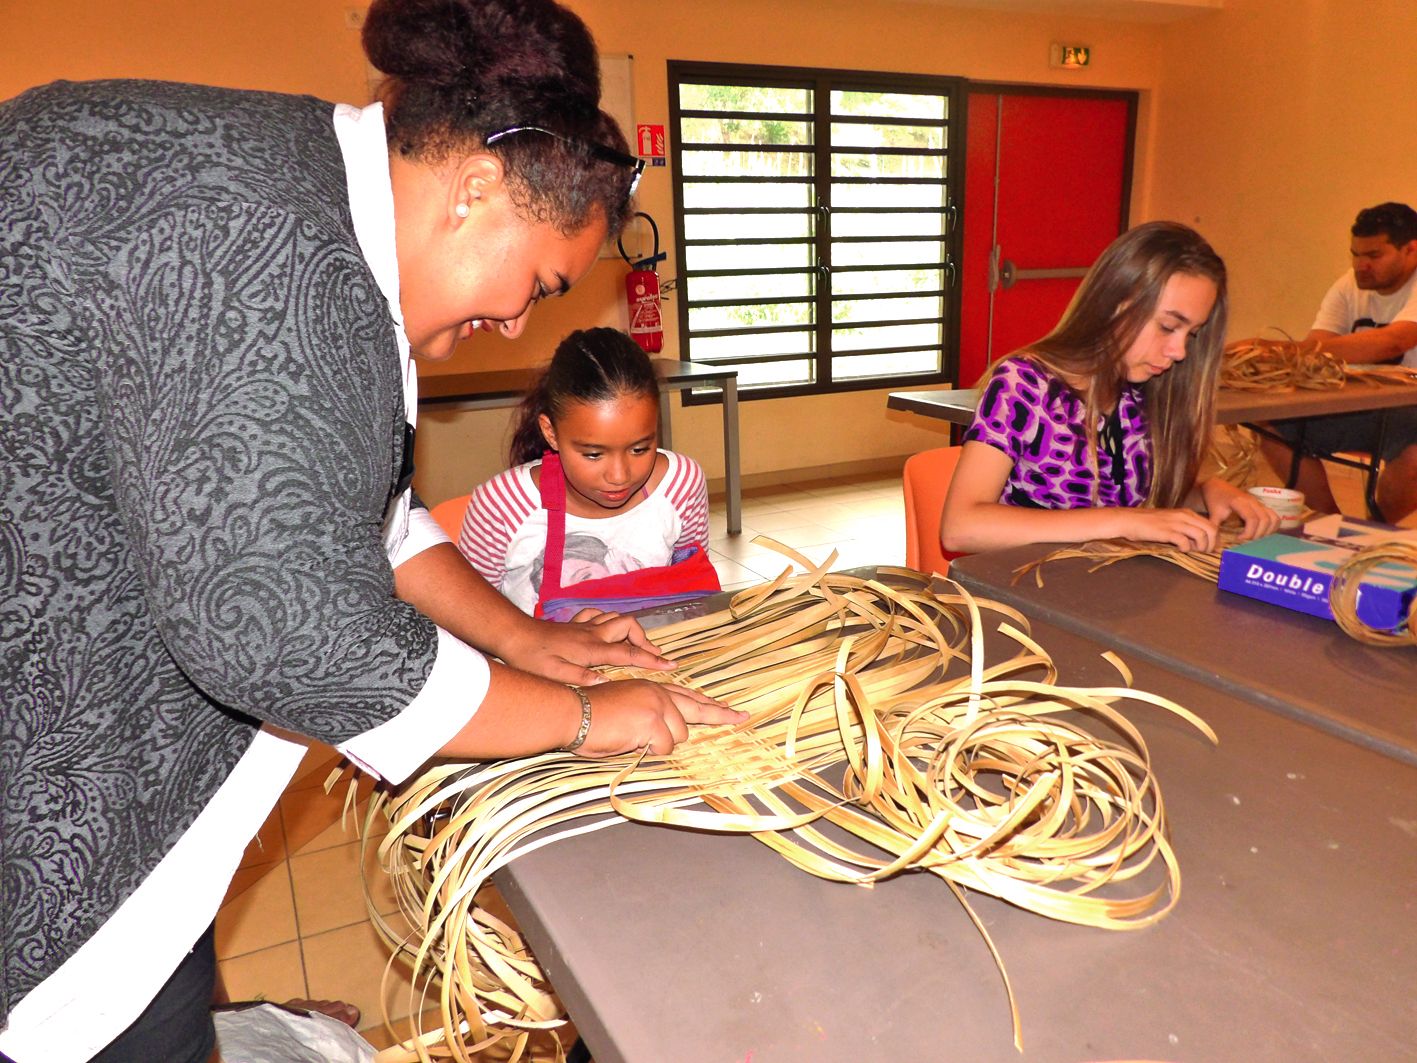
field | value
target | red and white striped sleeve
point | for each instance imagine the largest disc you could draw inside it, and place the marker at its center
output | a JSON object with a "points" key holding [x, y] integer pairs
{"points": [[687, 491], [497, 509]]}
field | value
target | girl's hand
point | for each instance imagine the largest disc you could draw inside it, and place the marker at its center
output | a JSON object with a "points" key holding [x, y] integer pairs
{"points": [[1183, 528], [1224, 500], [616, 628], [567, 652], [635, 713]]}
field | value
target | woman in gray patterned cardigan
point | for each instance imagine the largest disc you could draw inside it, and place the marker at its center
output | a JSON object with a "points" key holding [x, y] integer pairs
{"points": [[207, 303]]}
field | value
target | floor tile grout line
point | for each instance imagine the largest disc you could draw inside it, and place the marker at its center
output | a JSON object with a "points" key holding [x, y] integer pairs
{"points": [[295, 907]]}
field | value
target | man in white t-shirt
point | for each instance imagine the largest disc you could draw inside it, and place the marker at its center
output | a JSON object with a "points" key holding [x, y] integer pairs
{"points": [[1368, 316]]}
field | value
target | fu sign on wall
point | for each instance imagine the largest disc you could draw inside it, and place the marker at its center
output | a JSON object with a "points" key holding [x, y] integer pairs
{"points": [[650, 143]]}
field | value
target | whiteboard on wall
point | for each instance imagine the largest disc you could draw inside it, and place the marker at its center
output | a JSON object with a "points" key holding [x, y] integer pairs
{"points": [[617, 91], [617, 98]]}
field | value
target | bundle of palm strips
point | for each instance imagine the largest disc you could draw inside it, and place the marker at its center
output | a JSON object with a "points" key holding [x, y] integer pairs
{"points": [[1343, 594], [1278, 365], [1382, 375], [871, 706], [1233, 455], [1104, 552]]}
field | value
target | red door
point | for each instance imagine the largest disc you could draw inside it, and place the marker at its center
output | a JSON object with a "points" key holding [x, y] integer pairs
{"points": [[1046, 183]]}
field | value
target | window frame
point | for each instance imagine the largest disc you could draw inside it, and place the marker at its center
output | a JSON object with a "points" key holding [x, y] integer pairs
{"points": [[822, 81]]}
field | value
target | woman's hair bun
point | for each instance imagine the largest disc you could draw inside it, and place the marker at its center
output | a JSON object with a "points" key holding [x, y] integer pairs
{"points": [[507, 54], [460, 70], [428, 41]]}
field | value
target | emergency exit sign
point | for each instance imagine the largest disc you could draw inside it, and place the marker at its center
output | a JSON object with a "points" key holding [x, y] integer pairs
{"points": [[1070, 56]]}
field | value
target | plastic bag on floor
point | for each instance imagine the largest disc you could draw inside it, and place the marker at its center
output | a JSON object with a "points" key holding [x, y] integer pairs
{"points": [[268, 1033]]}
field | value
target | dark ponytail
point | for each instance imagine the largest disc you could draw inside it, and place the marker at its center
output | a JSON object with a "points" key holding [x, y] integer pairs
{"points": [[590, 365], [459, 70]]}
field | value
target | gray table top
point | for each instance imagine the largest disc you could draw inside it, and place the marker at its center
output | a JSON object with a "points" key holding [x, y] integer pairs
{"points": [[1294, 938], [1285, 661], [1231, 407]]}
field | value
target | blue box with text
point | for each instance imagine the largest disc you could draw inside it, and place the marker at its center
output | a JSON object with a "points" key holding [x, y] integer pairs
{"points": [[1295, 569]]}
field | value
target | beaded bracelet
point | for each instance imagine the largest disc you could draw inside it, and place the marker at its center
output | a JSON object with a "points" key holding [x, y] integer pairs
{"points": [[585, 720]]}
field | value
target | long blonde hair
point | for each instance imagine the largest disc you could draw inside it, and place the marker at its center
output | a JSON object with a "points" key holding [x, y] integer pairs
{"points": [[1116, 299]]}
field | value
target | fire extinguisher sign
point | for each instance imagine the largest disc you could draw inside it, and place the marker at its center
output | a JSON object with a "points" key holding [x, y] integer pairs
{"points": [[651, 143]]}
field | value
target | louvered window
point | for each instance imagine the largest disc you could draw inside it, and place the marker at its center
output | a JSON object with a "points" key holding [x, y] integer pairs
{"points": [[815, 218]]}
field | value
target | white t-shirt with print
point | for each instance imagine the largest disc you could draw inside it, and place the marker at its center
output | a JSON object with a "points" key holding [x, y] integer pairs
{"points": [[1347, 309], [504, 531]]}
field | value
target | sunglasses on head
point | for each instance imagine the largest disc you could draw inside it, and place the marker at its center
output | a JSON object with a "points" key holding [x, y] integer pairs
{"points": [[594, 150]]}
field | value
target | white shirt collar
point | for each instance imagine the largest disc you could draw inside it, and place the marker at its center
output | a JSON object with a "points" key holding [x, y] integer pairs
{"points": [[371, 202], [364, 147]]}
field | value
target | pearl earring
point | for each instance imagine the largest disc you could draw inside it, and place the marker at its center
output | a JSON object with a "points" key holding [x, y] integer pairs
{"points": [[462, 210]]}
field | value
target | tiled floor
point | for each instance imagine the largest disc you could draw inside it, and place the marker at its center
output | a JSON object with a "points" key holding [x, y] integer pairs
{"points": [[862, 518], [294, 924]]}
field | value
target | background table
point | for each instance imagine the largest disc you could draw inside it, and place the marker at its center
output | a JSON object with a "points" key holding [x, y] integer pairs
{"points": [[1287, 662], [1231, 407], [507, 387], [1293, 940]]}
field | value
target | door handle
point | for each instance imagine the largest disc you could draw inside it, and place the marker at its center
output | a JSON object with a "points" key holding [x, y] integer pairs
{"points": [[1009, 274]]}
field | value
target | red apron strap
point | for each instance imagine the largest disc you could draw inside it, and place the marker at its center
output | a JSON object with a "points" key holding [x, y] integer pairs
{"points": [[553, 500]]}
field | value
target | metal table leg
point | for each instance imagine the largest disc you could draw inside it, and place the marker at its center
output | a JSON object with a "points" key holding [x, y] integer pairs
{"points": [[666, 429], [1375, 460], [1296, 458], [732, 473]]}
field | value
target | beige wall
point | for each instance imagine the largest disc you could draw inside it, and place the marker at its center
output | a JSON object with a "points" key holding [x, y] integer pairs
{"points": [[1267, 124], [782, 434], [932, 39], [1275, 121], [280, 45], [310, 46]]}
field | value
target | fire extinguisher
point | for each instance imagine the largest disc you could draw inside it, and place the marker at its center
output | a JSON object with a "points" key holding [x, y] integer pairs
{"points": [[642, 293]]}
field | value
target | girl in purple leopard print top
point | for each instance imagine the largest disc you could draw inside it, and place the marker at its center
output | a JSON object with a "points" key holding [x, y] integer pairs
{"points": [[1097, 430]]}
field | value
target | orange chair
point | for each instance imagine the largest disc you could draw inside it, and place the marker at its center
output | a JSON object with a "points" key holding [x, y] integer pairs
{"points": [[926, 479], [449, 515]]}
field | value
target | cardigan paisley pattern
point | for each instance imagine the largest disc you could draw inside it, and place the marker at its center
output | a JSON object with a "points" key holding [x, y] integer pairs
{"points": [[202, 425]]}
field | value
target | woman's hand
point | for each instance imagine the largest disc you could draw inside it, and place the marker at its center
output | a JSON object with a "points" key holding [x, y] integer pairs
{"points": [[1224, 500], [567, 652], [522, 715], [635, 713], [1182, 528]]}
